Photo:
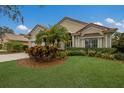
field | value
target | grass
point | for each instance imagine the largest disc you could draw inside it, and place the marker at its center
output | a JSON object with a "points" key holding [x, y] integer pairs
{"points": [[77, 71]]}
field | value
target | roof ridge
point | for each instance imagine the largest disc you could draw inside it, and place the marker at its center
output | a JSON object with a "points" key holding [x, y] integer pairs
{"points": [[96, 25], [35, 27], [72, 19]]}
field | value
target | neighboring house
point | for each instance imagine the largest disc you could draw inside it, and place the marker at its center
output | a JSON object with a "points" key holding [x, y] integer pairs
{"points": [[85, 35], [34, 32], [12, 37]]}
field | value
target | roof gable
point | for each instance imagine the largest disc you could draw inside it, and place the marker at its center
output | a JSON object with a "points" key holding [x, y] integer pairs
{"points": [[72, 25], [74, 20], [15, 37], [101, 29], [38, 26]]}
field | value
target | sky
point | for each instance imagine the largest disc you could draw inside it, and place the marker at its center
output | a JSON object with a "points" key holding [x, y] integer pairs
{"points": [[110, 16]]}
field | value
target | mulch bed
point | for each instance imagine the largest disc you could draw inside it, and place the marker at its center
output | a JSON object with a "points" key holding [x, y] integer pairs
{"points": [[37, 64]]}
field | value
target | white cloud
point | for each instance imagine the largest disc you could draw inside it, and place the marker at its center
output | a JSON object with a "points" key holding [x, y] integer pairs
{"points": [[110, 20], [29, 30], [23, 28], [123, 26], [118, 24], [98, 23]]}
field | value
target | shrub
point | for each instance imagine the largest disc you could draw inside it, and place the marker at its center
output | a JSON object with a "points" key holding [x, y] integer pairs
{"points": [[107, 50], [98, 54], [45, 52], [25, 47], [14, 46], [111, 56], [107, 56], [62, 54], [119, 56], [76, 49], [1, 46], [76, 53], [106, 53], [91, 53], [101, 50]]}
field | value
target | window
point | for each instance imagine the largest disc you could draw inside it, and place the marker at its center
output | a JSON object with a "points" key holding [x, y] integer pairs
{"points": [[91, 43]]}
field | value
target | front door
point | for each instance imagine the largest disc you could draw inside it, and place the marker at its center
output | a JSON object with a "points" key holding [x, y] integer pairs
{"points": [[91, 43]]}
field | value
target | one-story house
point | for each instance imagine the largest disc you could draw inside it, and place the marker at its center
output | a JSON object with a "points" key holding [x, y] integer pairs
{"points": [[13, 37], [85, 35]]}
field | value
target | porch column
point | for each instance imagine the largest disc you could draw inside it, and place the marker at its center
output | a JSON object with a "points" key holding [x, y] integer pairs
{"points": [[99, 42], [83, 43], [110, 41], [106, 41], [78, 41], [72, 41]]}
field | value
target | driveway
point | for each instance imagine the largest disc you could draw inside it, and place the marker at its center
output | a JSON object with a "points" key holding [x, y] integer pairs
{"points": [[15, 56]]}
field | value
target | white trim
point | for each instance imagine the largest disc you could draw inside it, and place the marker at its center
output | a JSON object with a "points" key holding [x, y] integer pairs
{"points": [[82, 41], [110, 41], [72, 41], [106, 41], [78, 41], [98, 43], [93, 37]]}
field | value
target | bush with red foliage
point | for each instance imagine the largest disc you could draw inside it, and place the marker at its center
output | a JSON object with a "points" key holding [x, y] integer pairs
{"points": [[45, 53]]}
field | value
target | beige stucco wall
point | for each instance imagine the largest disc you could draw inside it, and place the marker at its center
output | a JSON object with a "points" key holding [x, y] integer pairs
{"points": [[108, 40], [91, 30], [35, 32], [104, 40]]}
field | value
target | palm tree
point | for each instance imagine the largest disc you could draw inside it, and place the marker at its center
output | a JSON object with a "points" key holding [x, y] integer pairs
{"points": [[55, 35], [42, 36], [118, 41], [60, 34]]}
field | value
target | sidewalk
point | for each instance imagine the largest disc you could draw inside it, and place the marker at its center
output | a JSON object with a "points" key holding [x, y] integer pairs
{"points": [[15, 56]]}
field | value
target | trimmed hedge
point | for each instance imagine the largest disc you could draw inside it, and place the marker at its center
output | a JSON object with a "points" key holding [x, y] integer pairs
{"points": [[77, 53], [106, 53], [102, 50], [15, 46], [119, 56]]}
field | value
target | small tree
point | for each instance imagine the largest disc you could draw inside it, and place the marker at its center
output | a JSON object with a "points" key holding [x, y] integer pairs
{"points": [[53, 36], [43, 36], [118, 41], [59, 34], [14, 46], [12, 11]]}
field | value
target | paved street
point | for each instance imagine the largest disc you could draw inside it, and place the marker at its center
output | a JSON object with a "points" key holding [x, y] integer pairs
{"points": [[15, 56]]}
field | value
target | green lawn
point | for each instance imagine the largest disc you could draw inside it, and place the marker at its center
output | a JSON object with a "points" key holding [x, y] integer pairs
{"points": [[77, 71]]}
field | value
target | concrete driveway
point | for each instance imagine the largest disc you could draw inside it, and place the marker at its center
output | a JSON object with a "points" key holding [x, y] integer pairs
{"points": [[15, 56]]}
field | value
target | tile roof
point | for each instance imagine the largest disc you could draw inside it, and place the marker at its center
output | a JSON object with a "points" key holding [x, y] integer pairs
{"points": [[71, 19], [85, 25], [38, 25], [15, 37]]}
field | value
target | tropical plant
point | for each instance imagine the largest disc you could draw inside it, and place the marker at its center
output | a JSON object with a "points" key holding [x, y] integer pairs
{"points": [[91, 53], [14, 46], [119, 56], [53, 36], [43, 36], [45, 53], [59, 34], [118, 41]]}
